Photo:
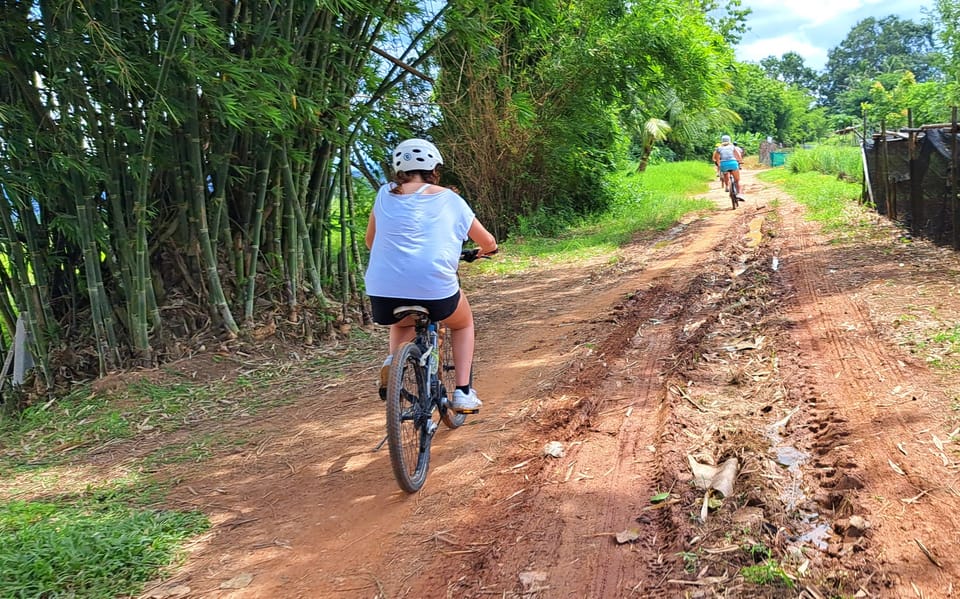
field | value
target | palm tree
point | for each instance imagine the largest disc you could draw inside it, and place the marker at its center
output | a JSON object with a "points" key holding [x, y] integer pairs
{"points": [[669, 117]]}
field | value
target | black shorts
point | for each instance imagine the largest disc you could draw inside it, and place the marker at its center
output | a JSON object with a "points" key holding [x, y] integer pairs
{"points": [[383, 307]]}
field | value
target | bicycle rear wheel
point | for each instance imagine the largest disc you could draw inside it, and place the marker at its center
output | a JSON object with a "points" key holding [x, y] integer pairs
{"points": [[448, 378], [734, 191], [408, 419]]}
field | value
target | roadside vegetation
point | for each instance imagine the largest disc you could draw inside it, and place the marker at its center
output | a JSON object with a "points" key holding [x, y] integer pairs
{"points": [[826, 180], [653, 200], [842, 161]]}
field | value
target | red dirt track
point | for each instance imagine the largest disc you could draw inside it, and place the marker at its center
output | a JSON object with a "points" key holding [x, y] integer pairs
{"points": [[739, 334]]}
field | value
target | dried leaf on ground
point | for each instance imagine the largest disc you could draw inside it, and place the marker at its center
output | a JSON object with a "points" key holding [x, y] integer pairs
{"points": [[720, 478], [628, 536]]}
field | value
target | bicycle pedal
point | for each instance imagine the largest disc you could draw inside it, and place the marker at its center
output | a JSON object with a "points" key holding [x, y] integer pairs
{"points": [[475, 411]]}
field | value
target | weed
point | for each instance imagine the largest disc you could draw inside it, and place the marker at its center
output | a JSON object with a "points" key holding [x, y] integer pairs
{"points": [[758, 551], [768, 572], [690, 560]]}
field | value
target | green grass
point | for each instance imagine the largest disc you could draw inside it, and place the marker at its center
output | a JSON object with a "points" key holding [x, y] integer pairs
{"points": [[832, 202], [840, 161], [941, 347], [48, 432], [94, 547], [642, 202], [67, 531]]}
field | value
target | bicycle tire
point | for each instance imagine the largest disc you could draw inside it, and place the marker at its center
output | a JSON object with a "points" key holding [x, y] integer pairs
{"points": [[407, 419], [448, 379], [733, 192]]}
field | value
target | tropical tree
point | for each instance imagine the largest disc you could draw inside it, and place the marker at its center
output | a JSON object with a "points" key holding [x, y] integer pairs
{"points": [[770, 107], [876, 46], [689, 132], [532, 114], [791, 69], [946, 25], [728, 18]]}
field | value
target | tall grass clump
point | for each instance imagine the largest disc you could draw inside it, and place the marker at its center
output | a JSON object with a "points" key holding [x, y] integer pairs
{"points": [[657, 198], [840, 161]]}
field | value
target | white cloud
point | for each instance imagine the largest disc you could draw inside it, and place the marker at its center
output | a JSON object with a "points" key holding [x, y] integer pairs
{"points": [[813, 56], [812, 27], [812, 13]]}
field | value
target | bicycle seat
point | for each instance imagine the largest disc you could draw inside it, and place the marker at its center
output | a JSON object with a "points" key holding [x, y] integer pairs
{"points": [[403, 311]]}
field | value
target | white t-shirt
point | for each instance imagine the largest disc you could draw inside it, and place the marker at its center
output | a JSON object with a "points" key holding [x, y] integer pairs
{"points": [[416, 250]]}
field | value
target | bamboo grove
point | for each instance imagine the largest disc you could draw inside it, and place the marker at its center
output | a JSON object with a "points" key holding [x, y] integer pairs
{"points": [[172, 170], [174, 167]]}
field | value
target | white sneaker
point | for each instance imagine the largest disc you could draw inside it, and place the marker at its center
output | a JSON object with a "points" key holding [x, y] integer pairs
{"points": [[465, 402]]}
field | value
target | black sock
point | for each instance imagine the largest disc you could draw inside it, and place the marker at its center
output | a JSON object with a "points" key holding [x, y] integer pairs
{"points": [[464, 388]]}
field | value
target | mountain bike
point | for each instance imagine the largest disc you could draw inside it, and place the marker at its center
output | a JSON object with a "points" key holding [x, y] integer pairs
{"points": [[419, 390]]}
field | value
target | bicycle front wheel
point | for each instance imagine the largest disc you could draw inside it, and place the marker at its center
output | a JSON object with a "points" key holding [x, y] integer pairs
{"points": [[408, 419], [449, 379]]}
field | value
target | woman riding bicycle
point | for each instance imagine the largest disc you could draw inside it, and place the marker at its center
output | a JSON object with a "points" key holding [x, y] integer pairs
{"points": [[728, 157], [415, 234]]}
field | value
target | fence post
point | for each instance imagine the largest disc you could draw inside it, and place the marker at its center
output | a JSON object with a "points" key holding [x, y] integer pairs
{"points": [[879, 188], [866, 191], [953, 180], [889, 199], [916, 191]]}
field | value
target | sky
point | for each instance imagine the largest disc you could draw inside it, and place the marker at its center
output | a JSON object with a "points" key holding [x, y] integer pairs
{"points": [[812, 27]]}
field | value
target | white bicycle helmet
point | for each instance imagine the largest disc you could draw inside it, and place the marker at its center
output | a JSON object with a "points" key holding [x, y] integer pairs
{"points": [[416, 155]]}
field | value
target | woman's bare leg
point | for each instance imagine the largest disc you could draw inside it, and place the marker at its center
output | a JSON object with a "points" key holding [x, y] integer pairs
{"points": [[461, 326], [401, 332]]}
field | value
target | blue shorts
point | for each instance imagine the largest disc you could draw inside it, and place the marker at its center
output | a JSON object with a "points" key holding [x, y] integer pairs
{"points": [[729, 165], [383, 307]]}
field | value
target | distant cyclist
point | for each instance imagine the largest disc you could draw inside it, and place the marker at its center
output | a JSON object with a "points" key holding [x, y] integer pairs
{"points": [[728, 157]]}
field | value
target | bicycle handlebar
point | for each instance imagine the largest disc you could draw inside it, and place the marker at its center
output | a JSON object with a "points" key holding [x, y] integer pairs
{"points": [[472, 254]]}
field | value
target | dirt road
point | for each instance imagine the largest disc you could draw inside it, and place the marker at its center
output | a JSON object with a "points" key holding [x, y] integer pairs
{"points": [[740, 337]]}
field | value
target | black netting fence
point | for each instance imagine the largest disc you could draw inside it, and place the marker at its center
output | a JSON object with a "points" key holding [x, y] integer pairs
{"points": [[910, 176]]}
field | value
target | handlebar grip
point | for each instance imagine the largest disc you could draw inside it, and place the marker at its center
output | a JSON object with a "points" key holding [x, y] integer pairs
{"points": [[474, 253]]}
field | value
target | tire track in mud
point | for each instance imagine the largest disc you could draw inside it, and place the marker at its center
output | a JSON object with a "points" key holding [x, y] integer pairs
{"points": [[871, 411], [560, 525]]}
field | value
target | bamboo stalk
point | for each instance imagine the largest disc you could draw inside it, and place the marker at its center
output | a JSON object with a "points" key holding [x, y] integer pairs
{"points": [[141, 279], [207, 254], [344, 267], [263, 177], [300, 227]]}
